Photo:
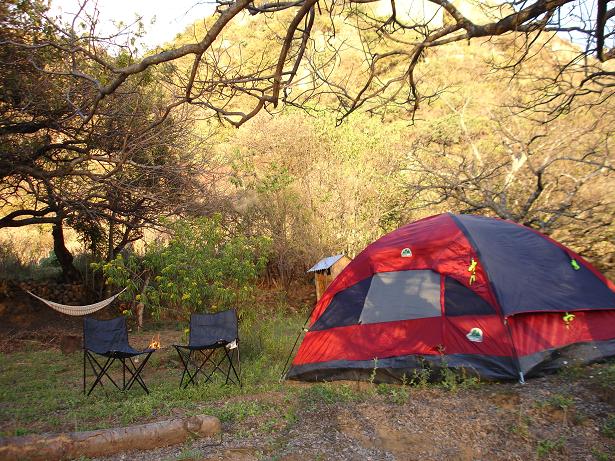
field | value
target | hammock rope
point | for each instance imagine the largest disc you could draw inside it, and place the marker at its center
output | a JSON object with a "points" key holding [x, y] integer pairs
{"points": [[78, 310]]}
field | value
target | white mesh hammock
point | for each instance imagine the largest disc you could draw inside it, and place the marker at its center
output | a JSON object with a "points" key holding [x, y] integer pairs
{"points": [[78, 310]]}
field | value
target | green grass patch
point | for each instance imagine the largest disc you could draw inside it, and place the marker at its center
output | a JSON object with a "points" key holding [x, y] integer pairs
{"points": [[600, 455], [399, 394], [238, 411], [188, 454], [546, 447], [605, 378], [560, 401], [330, 393], [608, 428], [42, 390]]}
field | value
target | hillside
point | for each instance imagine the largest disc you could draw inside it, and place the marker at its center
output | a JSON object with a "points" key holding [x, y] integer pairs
{"points": [[316, 188]]}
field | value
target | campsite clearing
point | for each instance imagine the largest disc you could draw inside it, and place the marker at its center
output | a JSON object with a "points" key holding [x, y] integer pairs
{"points": [[570, 415]]}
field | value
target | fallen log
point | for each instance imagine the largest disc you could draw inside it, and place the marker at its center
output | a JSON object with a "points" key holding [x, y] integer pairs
{"points": [[107, 441]]}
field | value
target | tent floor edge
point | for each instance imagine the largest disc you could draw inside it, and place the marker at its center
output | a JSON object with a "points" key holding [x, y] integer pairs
{"points": [[489, 368], [407, 369], [576, 354]]}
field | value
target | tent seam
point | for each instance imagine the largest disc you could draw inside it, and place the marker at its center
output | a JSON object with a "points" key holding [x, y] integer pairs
{"points": [[492, 289]]}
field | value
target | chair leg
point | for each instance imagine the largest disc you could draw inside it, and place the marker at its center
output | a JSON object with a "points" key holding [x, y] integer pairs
{"points": [[192, 377], [103, 371], [96, 370], [230, 362], [209, 358], [186, 363], [136, 376], [198, 368], [216, 366], [229, 356], [239, 365], [84, 352]]}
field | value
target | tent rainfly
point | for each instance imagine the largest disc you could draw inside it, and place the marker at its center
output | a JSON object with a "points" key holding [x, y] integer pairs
{"points": [[326, 270], [494, 297]]}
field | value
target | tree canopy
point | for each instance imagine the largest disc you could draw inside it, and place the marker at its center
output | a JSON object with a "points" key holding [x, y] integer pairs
{"points": [[107, 178], [304, 59], [496, 108]]}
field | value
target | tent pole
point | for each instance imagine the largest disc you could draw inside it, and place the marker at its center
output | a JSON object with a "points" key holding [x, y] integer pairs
{"points": [[515, 353], [493, 293], [303, 329]]}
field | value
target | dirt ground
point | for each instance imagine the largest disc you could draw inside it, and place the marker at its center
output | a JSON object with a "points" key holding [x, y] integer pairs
{"points": [[567, 416], [492, 422]]}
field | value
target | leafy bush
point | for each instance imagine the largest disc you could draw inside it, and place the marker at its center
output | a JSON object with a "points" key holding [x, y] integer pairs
{"points": [[547, 446], [608, 429], [9, 262], [201, 268], [51, 260]]}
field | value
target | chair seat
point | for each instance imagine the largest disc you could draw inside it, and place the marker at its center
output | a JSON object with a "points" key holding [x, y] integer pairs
{"points": [[198, 347], [125, 352]]}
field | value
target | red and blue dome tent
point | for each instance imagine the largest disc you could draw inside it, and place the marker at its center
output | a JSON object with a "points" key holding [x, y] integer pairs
{"points": [[489, 295]]}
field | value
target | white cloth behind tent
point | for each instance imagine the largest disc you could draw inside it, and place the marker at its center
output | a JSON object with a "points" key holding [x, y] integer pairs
{"points": [[78, 310]]}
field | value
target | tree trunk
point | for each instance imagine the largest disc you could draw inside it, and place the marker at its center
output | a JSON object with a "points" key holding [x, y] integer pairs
{"points": [[110, 245], [106, 442], [140, 306], [65, 258]]}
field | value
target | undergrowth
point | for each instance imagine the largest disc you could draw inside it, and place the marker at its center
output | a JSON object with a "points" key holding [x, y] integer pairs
{"points": [[548, 446], [42, 390]]}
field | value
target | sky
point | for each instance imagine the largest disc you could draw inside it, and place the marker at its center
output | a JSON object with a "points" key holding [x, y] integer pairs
{"points": [[171, 16]]}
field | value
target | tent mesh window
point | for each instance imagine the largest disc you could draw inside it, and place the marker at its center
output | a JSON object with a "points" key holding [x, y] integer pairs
{"points": [[460, 300], [345, 308], [402, 295]]}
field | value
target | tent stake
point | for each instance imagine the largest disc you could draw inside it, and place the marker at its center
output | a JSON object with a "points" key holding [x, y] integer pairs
{"points": [[521, 378]]}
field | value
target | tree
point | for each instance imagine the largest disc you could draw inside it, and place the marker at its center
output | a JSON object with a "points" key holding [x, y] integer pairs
{"points": [[300, 67], [107, 178], [314, 190], [533, 177], [351, 57], [552, 177]]}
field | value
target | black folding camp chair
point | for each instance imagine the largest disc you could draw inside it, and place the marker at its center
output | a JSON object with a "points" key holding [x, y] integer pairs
{"points": [[213, 340], [109, 338]]}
